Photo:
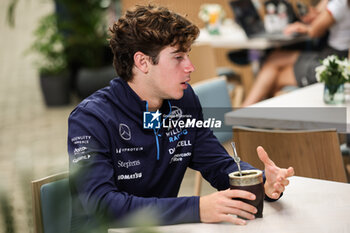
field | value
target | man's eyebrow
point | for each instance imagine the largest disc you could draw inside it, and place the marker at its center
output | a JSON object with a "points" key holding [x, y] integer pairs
{"points": [[176, 51], [181, 51]]}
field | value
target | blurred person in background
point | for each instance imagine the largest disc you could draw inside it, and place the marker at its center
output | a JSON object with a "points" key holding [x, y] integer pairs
{"points": [[297, 68]]}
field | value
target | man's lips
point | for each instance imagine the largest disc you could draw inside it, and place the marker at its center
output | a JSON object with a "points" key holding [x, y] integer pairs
{"points": [[187, 81], [184, 84]]}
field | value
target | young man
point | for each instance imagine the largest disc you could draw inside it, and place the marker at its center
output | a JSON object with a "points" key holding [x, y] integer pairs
{"points": [[123, 158]]}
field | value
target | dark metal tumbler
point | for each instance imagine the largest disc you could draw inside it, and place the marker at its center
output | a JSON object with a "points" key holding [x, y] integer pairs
{"points": [[252, 181]]}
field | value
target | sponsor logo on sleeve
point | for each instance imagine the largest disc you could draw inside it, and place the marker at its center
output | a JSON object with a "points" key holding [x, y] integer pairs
{"points": [[80, 150], [80, 153], [83, 157], [85, 139]]}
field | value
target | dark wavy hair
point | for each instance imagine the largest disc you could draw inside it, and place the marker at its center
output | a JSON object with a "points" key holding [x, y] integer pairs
{"points": [[148, 29]]}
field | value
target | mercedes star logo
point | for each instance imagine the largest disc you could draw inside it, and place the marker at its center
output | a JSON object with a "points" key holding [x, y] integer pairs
{"points": [[124, 132]]}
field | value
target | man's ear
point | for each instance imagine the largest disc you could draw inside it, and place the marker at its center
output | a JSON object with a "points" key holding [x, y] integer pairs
{"points": [[141, 62]]}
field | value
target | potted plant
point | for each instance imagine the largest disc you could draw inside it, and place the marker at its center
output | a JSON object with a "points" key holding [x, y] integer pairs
{"points": [[82, 28], [88, 54], [51, 62], [334, 72]]}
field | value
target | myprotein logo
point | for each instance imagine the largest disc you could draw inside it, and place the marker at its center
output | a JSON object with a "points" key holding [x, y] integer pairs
{"points": [[151, 120], [128, 149]]}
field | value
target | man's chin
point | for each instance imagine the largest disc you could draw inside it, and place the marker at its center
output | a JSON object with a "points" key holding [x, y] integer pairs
{"points": [[178, 96]]}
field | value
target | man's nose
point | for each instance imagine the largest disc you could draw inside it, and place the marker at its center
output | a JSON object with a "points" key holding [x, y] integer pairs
{"points": [[189, 68]]}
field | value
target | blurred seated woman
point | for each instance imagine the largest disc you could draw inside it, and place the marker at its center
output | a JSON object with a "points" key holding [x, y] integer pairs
{"points": [[295, 68]]}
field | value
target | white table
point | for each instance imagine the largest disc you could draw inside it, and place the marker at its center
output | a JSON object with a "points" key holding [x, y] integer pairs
{"points": [[308, 205], [300, 109], [232, 36]]}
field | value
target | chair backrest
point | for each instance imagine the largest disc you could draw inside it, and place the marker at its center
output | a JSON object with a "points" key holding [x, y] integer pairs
{"points": [[52, 204], [312, 153], [203, 58], [215, 100]]}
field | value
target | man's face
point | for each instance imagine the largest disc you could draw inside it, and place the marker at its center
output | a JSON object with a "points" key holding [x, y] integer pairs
{"points": [[171, 74]]}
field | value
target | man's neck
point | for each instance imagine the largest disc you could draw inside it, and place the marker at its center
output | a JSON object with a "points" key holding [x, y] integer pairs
{"points": [[154, 103]]}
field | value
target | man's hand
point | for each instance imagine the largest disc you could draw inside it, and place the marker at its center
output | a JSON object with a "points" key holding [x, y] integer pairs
{"points": [[219, 206], [276, 178]]}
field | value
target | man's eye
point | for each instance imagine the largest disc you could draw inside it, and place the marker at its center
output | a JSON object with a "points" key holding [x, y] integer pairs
{"points": [[179, 57]]}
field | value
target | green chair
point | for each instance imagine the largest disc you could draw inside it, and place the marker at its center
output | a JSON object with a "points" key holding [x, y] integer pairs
{"points": [[214, 97], [52, 204]]}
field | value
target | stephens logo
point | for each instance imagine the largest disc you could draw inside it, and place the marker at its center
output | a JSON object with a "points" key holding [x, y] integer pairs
{"points": [[151, 120], [129, 163]]}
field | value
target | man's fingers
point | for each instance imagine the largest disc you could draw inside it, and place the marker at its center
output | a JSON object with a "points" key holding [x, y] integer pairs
{"points": [[240, 205], [220, 206], [237, 193], [275, 195], [239, 212], [290, 171], [285, 182], [285, 173], [279, 187], [233, 219], [264, 157]]}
